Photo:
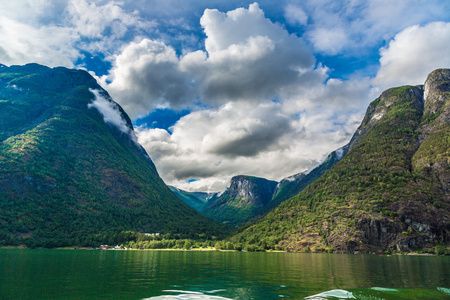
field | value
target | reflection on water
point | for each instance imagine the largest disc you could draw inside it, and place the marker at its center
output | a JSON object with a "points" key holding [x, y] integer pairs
{"points": [[444, 290], [339, 294], [64, 274], [366, 294], [186, 295]]}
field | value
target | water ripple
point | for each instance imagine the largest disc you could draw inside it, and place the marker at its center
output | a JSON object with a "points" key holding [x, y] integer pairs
{"points": [[188, 295]]}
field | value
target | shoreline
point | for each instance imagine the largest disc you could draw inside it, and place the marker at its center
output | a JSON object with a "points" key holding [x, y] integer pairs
{"points": [[22, 247]]}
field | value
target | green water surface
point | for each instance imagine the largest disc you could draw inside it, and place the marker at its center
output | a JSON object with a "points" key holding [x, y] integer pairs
{"points": [[89, 274]]}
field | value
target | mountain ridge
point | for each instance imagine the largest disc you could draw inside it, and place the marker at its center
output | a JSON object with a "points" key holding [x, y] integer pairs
{"points": [[388, 193]]}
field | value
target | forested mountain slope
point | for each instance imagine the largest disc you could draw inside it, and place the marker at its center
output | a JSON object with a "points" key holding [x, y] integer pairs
{"points": [[293, 185], [389, 192], [71, 171], [196, 200]]}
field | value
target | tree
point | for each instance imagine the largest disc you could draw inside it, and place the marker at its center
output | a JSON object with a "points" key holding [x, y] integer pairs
{"points": [[187, 245]]}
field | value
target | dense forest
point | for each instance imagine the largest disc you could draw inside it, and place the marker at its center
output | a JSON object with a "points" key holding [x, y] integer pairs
{"points": [[67, 176]]}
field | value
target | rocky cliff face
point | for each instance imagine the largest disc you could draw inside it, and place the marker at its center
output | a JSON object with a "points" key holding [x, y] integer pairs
{"points": [[388, 193], [433, 155], [251, 190], [243, 200]]}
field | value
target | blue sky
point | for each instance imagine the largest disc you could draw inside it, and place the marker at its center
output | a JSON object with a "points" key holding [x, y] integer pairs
{"points": [[222, 88]]}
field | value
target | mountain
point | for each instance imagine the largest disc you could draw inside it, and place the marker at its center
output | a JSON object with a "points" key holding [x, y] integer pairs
{"points": [[244, 203], [293, 185], [71, 171], [196, 200], [243, 200], [390, 191], [235, 209]]}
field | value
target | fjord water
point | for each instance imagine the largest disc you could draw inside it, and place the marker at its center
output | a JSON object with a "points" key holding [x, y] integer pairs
{"points": [[85, 274]]}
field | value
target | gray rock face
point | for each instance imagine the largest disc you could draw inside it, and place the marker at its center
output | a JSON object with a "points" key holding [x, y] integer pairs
{"points": [[254, 190], [433, 154], [242, 201], [436, 90]]}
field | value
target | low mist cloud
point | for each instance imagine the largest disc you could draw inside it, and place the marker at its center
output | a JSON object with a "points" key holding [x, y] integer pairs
{"points": [[111, 113]]}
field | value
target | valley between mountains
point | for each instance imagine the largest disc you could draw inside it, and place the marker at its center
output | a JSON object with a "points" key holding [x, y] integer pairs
{"points": [[73, 174]]}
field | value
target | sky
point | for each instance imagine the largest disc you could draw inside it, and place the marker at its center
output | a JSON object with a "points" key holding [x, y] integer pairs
{"points": [[223, 88]]}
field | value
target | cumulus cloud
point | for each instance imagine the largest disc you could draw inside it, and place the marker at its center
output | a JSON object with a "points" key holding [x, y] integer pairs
{"points": [[146, 75], [413, 54], [215, 144], [351, 27], [56, 33], [247, 58], [21, 43], [253, 129]]}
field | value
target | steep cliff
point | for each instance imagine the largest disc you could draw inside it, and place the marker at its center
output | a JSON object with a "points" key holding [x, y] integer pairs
{"points": [[433, 156], [244, 199]]}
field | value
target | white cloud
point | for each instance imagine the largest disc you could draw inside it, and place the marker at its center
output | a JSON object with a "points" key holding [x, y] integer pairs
{"points": [[215, 144], [146, 75], [55, 33], [364, 24], [329, 40], [244, 138], [33, 12], [295, 15], [21, 43], [91, 20], [247, 58], [111, 113], [413, 54]]}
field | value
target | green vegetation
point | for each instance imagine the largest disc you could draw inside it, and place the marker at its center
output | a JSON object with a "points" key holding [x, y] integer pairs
{"points": [[230, 210], [67, 178], [289, 189], [196, 200], [368, 199]]}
